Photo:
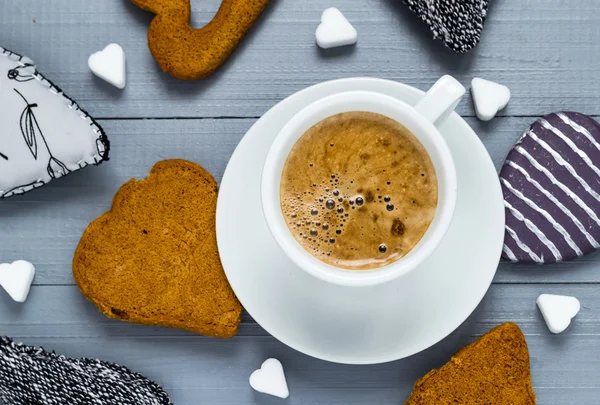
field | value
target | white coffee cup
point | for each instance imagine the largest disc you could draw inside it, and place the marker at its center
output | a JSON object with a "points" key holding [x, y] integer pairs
{"points": [[422, 120]]}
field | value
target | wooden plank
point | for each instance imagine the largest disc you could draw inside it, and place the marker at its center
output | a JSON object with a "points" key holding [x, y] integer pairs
{"points": [[545, 52], [197, 369], [44, 226], [62, 311]]}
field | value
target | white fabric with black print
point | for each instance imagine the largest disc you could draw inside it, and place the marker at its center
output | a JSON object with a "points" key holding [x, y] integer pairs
{"points": [[44, 134]]}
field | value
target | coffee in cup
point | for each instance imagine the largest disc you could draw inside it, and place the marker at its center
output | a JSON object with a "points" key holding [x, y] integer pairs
{"points": [[423, 148], [358, 190]]}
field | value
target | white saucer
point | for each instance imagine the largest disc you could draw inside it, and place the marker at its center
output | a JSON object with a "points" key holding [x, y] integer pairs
{"points": [[371, 324]]}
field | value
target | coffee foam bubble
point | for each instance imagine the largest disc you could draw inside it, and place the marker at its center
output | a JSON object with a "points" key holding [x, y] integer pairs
{"points": [[320, 220], [349, 199]]}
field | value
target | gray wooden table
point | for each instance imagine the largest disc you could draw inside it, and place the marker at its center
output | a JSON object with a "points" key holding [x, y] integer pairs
{"points": [[546, 51]]}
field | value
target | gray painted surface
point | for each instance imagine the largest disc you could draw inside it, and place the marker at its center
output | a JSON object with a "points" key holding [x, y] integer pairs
{"points": [[546, 51]]}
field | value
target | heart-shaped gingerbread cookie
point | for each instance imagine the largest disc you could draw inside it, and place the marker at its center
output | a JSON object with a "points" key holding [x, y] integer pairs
{"points": [[188, 53], [153, 259]]}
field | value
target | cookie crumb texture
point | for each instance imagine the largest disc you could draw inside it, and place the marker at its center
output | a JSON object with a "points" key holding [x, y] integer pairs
{"points": [[492, 370], [188, 53], [153, 258]]}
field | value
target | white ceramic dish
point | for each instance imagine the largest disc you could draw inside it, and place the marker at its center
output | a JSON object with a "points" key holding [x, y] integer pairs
{"points": [[369, 324], [422, 121]]}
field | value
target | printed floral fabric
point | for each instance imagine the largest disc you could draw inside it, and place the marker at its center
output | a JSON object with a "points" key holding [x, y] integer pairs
{"points": [[44, 134]]}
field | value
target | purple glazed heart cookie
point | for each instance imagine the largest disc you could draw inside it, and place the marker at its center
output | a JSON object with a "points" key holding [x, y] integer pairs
{"points": [[551, 186]]}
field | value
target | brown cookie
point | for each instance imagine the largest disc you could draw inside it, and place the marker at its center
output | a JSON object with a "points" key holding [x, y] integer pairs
{"points": [[188, 53], [492, 370], [153, 259]]}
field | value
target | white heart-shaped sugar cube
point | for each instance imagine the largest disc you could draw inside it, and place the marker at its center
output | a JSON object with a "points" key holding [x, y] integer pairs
{"points": [[270, 379], [335, 30], [488, 97], [558, 310], [109, 64], [16, 279]]}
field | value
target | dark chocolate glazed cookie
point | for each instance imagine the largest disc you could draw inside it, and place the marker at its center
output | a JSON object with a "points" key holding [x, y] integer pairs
{"points": [[551, 186]]}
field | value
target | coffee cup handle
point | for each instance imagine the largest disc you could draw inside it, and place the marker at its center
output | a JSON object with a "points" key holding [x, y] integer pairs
{"points": [[441, 100]]}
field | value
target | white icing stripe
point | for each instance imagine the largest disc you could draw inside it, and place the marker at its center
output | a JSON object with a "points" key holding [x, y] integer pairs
{"points": [[560, 185], [556, 202], [533, 228], [545, 214], [571, 144], [523, 246], [510, 254], [565, 164], [582, 130]]}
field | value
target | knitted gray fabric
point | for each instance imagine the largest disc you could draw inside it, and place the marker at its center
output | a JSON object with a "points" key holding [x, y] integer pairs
{"points": [[456, 22], [33, 376]]}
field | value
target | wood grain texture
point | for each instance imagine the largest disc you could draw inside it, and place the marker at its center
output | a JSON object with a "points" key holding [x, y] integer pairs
{"points": [[546, 51], [53, 218], [198, 369]]}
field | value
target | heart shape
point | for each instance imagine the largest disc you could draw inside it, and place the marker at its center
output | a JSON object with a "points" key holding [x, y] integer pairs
{"points": [[270, 379], [45, 134], [558, 310], [494, 366], [335, 30], [549, 195], [457, 23], [188, 53], [109, 65], [153, 258], [488, 97], [16, 279]]}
